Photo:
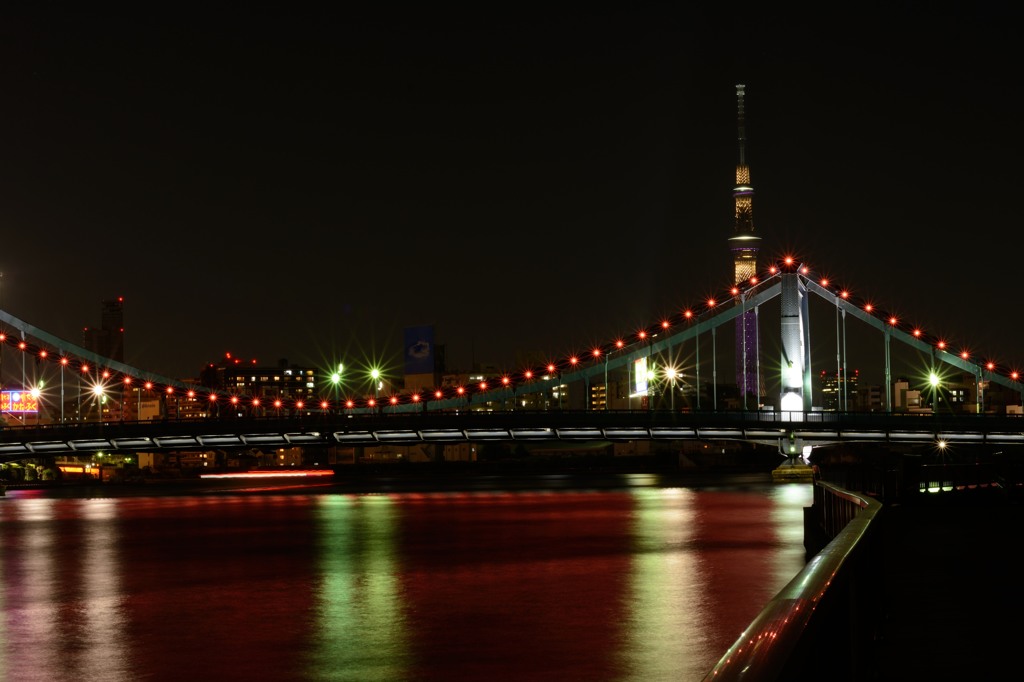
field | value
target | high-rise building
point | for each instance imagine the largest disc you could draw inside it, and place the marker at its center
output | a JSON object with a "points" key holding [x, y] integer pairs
{"points": [[744, 245], [108, 340], [838, 391]]}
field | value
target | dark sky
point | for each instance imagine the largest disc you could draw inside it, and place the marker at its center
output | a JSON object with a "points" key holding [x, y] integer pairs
{"points": [[304, 185]]}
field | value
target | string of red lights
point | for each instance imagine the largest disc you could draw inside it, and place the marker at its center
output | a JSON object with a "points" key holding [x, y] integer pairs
{"points": [[102, 377]]}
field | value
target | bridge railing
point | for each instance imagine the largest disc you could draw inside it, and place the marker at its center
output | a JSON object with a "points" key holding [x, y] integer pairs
{"points": [[824, 618]]}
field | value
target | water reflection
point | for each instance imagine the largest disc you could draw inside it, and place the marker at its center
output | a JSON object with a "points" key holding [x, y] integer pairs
{"points": [[358, 628], [638, 583]]}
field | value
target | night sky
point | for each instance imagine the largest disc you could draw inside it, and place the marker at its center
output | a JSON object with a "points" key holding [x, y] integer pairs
{"points": [[305, 186]]}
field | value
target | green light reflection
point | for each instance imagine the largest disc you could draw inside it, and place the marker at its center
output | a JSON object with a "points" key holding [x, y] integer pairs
{"points": [[665, 589], [360, 608]]}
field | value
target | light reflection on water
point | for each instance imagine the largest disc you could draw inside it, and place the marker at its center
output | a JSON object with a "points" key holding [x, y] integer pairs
{"points": [[631, 583]]}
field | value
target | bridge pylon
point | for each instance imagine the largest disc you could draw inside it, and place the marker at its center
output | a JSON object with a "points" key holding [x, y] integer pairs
{"points": [[795, 394]]}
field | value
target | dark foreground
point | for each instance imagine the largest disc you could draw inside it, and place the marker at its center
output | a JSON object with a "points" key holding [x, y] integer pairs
{"points": [[954, 594]]}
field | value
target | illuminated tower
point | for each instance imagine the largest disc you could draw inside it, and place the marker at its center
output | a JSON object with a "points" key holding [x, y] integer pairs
{"points": [[744, 247]]}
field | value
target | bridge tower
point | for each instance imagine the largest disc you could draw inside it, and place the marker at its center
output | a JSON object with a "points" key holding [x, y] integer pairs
{"points": [[795, 380], [744, 245]]}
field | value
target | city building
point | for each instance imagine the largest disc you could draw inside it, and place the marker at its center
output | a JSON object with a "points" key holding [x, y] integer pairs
{"points": [[837, 394], [108, 339], [290, 383], [744, 246]]}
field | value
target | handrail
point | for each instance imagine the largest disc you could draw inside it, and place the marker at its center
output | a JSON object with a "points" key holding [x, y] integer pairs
{"points": [[771, 647]]}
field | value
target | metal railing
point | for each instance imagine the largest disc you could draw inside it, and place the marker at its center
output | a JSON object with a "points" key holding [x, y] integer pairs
{"points": [[821, 624]]}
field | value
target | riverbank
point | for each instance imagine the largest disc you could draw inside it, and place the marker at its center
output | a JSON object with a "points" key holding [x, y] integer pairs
{"points": [[401, 480]]}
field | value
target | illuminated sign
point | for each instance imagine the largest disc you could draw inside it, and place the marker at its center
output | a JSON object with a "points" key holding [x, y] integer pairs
{"points": [[640, 377], [18, 402]]}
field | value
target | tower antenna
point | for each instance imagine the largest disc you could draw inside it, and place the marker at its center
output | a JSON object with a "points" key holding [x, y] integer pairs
{"points": [[742, 133]]}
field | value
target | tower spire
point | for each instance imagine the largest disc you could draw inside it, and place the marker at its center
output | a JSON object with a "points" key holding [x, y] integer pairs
{"points": [[743, 192], [742, 136]]}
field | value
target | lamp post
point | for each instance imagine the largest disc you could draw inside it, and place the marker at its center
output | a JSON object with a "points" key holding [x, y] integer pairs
{"points": [[36, 394], [672, 373], [336, 381], [63, 364], [98, 395], [375, 375]]}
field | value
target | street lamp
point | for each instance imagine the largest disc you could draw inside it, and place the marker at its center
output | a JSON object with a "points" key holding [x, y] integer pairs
{"points": [[672, 373], [36, 393], [336, 381], [63, 364], [98, 395], [933, 379]]}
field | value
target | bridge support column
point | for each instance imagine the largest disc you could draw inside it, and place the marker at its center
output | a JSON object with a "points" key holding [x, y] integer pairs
{"points": [[795, 367]]}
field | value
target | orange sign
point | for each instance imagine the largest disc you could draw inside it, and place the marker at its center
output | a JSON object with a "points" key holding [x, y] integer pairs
{"points": [[18, 401]]}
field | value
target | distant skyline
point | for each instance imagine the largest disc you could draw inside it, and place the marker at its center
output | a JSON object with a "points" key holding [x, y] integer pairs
{"points": [[306, 186]]}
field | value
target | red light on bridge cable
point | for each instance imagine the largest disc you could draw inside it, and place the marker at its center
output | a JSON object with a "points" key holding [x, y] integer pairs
{"points": [[964, 354]]}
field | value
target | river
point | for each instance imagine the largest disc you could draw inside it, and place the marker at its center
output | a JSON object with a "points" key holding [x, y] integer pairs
{"points": [[549, 578]]}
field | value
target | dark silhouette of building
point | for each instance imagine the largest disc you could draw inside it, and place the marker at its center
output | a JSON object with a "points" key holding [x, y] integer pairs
{"points": [[108, 340]]}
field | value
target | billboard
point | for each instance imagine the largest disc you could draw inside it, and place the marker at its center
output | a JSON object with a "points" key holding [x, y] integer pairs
{"points": [[419, 349], [18, 402], [640, 376]]}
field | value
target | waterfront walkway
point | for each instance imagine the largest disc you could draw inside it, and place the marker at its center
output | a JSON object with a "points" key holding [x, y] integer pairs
{"points": [[954, 589]]}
